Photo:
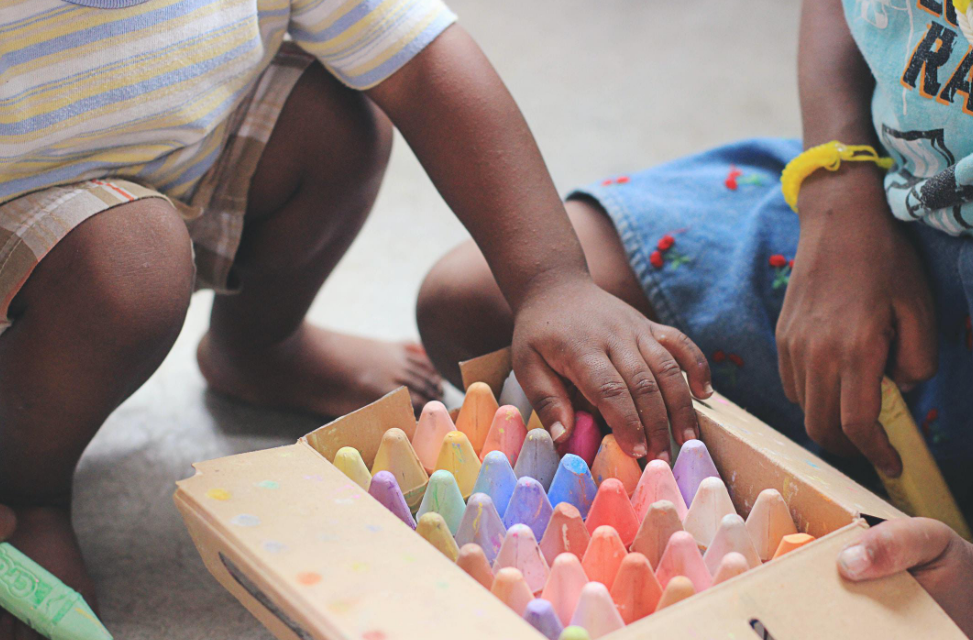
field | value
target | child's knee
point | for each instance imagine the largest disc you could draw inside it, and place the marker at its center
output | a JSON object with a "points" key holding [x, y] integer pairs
{"points": [[126, 274]]}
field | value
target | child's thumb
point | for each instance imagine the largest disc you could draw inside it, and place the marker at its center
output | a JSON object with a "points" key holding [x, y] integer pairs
{"points": [[549, 398], [894, 546]]}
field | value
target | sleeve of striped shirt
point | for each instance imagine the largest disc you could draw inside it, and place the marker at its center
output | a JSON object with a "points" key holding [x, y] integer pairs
{"points": [[363, 42]]}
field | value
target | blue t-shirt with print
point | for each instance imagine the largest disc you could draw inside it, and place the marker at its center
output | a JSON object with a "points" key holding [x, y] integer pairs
{"points": [[922, 107]]}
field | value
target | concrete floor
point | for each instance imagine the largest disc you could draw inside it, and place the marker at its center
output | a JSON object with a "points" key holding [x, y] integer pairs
{"points": [[608, 87]]}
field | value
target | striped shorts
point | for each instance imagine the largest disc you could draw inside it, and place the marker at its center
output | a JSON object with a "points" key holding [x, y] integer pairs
{"points": [[32, 225]]}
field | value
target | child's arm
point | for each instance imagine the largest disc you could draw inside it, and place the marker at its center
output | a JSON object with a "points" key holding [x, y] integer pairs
{"points": [[472, 140], [939, 559], [858, 301]]}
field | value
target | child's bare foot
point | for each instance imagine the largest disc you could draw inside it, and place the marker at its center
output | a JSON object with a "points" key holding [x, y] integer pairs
{"points": [[318, 371], [45, 535]]}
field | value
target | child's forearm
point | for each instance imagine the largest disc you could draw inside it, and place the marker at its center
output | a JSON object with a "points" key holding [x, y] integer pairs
{"points": [[474, 143], [835, 82]]}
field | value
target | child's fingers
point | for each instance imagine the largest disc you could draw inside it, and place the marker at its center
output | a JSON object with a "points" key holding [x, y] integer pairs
{"points": [[822, 417], [644, 384], [786, 369], [689, 356], [894, 546], [915, 350], [548, 396], [8, 522], [599, 381], [861, 402], [675, 392]]}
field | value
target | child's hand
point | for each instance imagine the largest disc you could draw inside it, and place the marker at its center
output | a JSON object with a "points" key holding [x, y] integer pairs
{"points": [[858, 304], [624, 364], [8, 522], [939, 559]]}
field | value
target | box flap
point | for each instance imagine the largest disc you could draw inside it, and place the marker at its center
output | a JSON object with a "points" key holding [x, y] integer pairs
{"points": [[493, 369], [801, 595], [363, 429], [317, 557]]}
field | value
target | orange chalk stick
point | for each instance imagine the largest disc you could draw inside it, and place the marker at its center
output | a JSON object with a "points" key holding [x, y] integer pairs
{"points": [[793, 541], [769, 521], [396, 455], [476, 414], [612, 507], [565, 533], [612, 462], [636, 591], [604, 556], [473, 561], [678, 589], [658, 525], [512, 589], [507, 434]]}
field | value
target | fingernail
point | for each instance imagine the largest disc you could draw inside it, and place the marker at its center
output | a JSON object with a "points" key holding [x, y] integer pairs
{"points": [[854, 561], [558, 432], [906, 387], [688, 434], [708, 389], [640, 450], [664, 456]]}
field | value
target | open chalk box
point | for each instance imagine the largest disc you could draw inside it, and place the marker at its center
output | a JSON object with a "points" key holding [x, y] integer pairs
{"points": [[313, 556]]}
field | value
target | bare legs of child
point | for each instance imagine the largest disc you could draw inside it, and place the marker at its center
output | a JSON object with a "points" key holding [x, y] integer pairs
{"points": [[101, 311], [462, 314]]}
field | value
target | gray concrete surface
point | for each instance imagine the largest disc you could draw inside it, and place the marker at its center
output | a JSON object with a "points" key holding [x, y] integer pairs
{"points": [[608, 86]]}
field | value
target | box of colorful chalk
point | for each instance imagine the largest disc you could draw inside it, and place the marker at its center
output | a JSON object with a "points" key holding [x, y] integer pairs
{"points": [[517, 539]]}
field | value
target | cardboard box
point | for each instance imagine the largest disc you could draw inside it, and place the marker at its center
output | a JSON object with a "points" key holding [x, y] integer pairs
{"points": [[312, 556]]}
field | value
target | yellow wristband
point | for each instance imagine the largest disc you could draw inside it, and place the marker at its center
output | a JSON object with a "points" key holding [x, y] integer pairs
{"points": [[825, 156]]}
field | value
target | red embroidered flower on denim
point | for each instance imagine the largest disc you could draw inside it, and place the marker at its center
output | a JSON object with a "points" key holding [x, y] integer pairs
{"points": [[782, 270]]}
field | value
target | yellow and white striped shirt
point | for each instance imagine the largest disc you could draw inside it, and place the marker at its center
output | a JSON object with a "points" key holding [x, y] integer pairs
{"points": [[142, 89]]}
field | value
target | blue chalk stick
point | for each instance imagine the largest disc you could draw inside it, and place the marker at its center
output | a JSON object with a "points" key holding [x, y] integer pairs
{"points": [[573, 484], [496, 479]]}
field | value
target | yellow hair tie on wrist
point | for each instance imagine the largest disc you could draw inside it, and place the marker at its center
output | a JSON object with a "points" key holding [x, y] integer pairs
{"points": [[824, 156]]}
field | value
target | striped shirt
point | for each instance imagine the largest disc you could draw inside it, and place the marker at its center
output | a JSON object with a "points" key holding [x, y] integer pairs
{"points": [[143, 89]]}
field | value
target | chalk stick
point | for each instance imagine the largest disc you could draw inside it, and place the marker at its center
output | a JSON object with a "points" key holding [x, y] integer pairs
{"points": [[693, 464], [534, 422], [682, 558], [473, 561], [458, 457], [385, 489], [396, 455], [711, 503], [791, 542], [476, 414], [564, 585], [496, 479], [612, 507], [584, 440], [612, 462], [574, 633], [443, 497], [349, 462], [678, 589], [434, 424], [507, 434], [604, 556], [529, 505], [636, 591], [510, 586], [482, 525], [731, 565], [520, 550], [657, 483], [433, 528], [541, 615], [596, 612], [573, 484], [768, 522], [731, 537], [658, 525], [565, 533], [41, 601], [538, 459], [512, 393]]}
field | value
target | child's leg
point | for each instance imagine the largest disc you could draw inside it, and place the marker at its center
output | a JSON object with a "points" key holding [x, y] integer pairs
{"points": [[315, 184], [462, 314], [91, 324]]}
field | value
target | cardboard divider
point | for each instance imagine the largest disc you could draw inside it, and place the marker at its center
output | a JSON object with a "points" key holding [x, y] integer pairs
{"points": [[313, 556], [493, 369]]}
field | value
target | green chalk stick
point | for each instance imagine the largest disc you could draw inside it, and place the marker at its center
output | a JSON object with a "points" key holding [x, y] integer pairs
{"points": [[43, 602]]}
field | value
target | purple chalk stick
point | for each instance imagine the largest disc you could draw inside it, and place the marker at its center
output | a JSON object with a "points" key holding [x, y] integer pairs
{"points": [[385, 489], [693, 465], [541, 615], [529, 505], [481, 524]]}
